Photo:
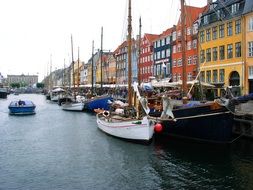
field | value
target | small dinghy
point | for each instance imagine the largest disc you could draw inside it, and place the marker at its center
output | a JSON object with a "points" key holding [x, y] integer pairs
{"points": [[22, 107]]}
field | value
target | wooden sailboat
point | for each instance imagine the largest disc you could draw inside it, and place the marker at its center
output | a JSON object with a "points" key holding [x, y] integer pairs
{"points": [[126, 127], [212, 121], [73, 105]]}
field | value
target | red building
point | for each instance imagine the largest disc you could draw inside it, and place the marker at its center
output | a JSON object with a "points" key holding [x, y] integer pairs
{"points": [[146, 57], [191, 49]]}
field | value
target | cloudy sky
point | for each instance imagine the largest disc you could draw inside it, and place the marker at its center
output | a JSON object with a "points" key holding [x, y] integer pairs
{"points": [[32, 30]]}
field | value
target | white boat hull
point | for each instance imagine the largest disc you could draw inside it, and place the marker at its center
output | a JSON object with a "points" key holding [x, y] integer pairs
{"points": [[74, 106], [141, 130]]}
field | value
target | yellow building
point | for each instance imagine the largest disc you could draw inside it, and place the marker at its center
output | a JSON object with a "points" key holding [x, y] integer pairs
{"points": [[248, 49], [220, 46]]}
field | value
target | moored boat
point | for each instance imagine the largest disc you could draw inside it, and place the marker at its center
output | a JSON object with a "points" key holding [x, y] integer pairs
{"points": [[125, 122], [22, 107], [125, 128], [3, 93], [99, 102], [210, 122]]}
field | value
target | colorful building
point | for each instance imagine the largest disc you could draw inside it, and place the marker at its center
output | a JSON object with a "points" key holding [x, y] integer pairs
{"points": [[220, 48], [162, 54], [191, 49], [146, 57], [248, 48]]}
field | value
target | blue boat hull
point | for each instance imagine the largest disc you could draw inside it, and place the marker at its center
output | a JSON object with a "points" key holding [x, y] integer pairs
{"points": [[199, 123], [22, 110], [22, 107], [97, 102]]}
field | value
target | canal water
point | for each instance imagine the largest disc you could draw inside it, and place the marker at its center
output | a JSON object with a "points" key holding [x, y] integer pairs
{"points": [[56, 149]]}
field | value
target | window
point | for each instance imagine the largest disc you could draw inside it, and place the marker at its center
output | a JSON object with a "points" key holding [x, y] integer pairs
{"points": [[222, 75], [168, 52], [238, 26], [215, 76], [178, 76], [206, 19], [189, 45], [194, 44], [179, 48], [238, 52], [158, 55], [174, 36], [202, 36], [175, 77], [163, 41], [221, 31], [222, 52], [189, 76], [234, 8], [158, 43], [202, 76], [214, 30], [230, 51], [174, 63], [189, 60], [168, 40], [189, 31], [174, 49], [251, 24], [250, 49], [215, 54], [250, 72], [195, 28], [208, 55], [208, 76], [208, 35], [163, 53], [229, 28], [202, 56], [179, 62], [195, 58]]}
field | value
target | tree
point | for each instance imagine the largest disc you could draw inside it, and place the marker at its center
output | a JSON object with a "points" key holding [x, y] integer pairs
{"points": [[40, 85]]}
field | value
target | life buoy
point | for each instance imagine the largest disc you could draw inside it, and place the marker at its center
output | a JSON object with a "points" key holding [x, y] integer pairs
{"points": [[106, 113]]}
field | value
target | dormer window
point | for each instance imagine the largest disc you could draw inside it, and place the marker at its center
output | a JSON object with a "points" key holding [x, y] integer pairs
{"points": [[235, 8], [205, 19]]}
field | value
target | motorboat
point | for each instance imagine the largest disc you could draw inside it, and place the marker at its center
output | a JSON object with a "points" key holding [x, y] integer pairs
{"points": [[22, 107]]}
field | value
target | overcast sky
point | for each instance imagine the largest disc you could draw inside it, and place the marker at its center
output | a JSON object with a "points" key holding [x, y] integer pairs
{"points": [[32, 30]]}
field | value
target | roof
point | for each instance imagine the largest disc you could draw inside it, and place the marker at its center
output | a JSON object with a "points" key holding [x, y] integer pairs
{"points": [[151, 37], [248, 7], [192, 14]]}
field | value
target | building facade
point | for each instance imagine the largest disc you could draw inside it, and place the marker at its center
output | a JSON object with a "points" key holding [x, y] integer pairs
{"points": [[220, 47], [23, 80], [162, 55]]}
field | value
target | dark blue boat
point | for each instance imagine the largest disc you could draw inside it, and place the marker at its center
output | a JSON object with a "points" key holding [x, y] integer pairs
{"points": [[204, 122], [22, 107], [100, 102]]}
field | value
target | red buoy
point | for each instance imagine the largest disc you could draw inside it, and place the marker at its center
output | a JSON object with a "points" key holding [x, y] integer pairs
{"points": [[158, 127]]}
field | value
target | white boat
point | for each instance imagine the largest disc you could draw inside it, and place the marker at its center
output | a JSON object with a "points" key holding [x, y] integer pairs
{"points": [[131, 129], [73, 106], [77, 104], [127, 126]]}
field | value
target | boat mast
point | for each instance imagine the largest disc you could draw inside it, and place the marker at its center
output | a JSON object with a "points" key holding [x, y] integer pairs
{"points": [[139, 54], [51, 81], [92, 66], [73, 64], [78, 72], [184, 79], [129, 48], [101, 58]]}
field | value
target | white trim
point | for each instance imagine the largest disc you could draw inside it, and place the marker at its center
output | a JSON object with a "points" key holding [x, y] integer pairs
{"points": [[221, 65]]}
